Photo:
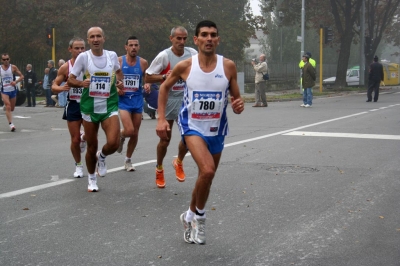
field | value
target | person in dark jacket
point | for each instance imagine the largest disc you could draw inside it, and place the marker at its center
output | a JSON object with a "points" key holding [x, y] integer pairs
{"points": [[374, 79], [30, 81], [308, 81], [52, 75]]}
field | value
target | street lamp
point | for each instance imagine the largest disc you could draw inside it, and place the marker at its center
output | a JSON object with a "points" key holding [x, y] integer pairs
{"points": [[303, 17], [281, 15]]}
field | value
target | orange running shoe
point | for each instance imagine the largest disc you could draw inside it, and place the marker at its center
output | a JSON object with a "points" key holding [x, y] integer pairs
{"points": [[180, 174], [160, 181]]}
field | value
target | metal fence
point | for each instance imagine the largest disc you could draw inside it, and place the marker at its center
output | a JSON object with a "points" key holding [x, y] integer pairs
{"points": [[286, 72]]}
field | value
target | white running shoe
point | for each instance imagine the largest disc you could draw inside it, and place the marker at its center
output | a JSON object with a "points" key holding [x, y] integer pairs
{"points": [[302, 105], [198, 233], [307, 106], [128, 166], [187, 227], [101, 166], [92, 187], [78, 171], [82, 145], [121, 144], [12, 127]]}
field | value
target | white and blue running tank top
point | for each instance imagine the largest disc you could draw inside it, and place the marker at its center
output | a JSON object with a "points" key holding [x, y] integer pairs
{"points": [[6, 77], [204, 101]]}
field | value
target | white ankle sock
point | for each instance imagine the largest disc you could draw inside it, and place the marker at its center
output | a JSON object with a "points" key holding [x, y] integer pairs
{"points": [[203, 212], [189, 215]]}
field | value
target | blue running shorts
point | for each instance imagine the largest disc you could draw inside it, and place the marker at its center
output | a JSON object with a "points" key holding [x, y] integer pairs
{"points": [[132, 103], [215, 144]]}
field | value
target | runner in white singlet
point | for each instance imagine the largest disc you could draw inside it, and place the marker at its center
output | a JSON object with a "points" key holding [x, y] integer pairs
{"points": [[203, 122], [99, 101], [7, 86]]}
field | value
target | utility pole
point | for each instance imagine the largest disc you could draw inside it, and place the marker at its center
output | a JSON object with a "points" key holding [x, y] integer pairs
{"points": [[321, 34], [53, 48], [362, 44], [281, 16], [303, 16]]}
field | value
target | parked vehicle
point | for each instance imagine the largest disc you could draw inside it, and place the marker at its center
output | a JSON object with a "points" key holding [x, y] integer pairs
{"points": [[352, 78], [21, 95], [39, 91]]}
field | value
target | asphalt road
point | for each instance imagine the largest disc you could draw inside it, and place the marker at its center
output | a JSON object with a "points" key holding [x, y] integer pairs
{"points": [[295, 186]]}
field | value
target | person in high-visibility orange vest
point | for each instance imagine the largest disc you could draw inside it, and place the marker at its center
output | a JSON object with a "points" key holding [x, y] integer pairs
{"points": [[301, 65]]}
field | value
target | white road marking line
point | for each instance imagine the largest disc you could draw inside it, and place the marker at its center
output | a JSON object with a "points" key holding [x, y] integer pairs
{"points": [[293, 129], [31, 189], [342, 135], [27, 190], [18, 116], [135, 164]]}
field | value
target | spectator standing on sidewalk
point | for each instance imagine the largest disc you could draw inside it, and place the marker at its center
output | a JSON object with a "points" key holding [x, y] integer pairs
{"points": [[52, 77], [308, 81], [375, 77], [62, 96], [261, 68], [30, 81], [46, 87], [310, 60]]}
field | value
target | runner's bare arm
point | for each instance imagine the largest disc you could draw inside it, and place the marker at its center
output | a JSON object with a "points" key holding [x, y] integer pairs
{"points": [[144, 65], [162, 124], [231, 73], [153, 78], [120, 79], [73, 82], [62, 74], [21, 77]]}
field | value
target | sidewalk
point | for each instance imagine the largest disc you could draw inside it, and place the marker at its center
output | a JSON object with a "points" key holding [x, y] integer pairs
{"points": [[283, 95]]}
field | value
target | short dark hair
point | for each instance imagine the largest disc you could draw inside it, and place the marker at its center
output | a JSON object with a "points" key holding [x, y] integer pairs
{"points": [[205, 23], [131, 38]]}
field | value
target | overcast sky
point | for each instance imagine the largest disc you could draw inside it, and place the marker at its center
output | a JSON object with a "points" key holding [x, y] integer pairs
{"points": [[254, 6]]}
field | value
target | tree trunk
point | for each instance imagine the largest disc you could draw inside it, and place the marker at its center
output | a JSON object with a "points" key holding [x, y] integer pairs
{"points": [[343, 60]]}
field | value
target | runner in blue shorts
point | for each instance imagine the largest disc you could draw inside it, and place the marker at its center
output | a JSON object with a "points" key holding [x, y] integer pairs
{"points": [[210, 80], [130, 102], [7, 86]]}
